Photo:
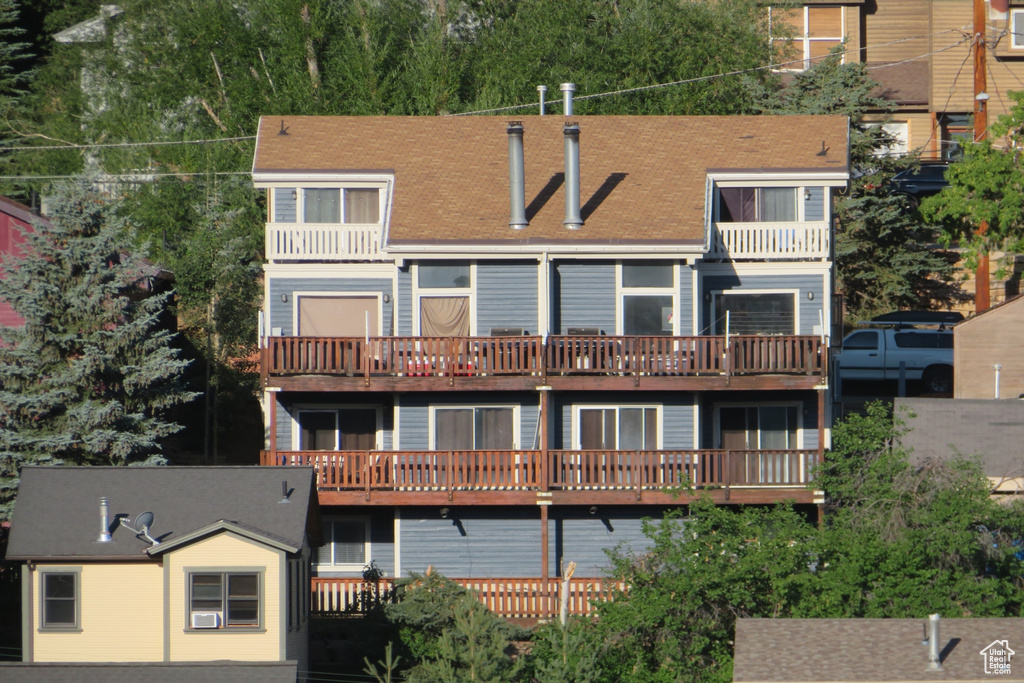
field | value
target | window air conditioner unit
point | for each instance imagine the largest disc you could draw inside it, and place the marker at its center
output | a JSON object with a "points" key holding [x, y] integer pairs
{"points": [[584, 331], [508, 331], [206, 620]]}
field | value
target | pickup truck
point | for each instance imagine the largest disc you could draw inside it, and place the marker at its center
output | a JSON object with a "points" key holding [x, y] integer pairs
{"points": [[876, 354]]}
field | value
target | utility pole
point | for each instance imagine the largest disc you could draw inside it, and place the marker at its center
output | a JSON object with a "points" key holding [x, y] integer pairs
{"points": [[981, 275]]}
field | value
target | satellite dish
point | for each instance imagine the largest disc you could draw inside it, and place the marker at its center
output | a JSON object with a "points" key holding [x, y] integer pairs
{"points": [[144, 521]]}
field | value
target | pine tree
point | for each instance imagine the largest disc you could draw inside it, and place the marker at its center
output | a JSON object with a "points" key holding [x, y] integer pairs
{"points": [[88, 378]]}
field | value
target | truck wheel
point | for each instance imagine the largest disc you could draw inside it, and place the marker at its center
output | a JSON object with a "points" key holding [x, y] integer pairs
{"points": [[938, 380]]}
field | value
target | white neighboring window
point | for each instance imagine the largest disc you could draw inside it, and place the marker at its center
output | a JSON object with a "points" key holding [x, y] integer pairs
{"points": [[900, 132], [1017, 29], [805, 34], [474, 428], [346, 544], [754, 312], [358, 205], [444, 298], [647, 298], [620, 428]]}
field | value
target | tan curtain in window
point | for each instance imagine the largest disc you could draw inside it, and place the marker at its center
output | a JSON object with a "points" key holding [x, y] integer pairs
{"points": [[453, 429], [444, 316], [362, 206], [336, 316]]}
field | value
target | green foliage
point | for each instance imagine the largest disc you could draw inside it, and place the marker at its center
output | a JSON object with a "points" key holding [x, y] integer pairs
{"points": [[884, 258], [987, 184], [89, 376], [566, 654]]}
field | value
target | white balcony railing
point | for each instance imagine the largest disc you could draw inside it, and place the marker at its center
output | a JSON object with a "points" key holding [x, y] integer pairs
{"points": [[770, 240], [323, 242]]}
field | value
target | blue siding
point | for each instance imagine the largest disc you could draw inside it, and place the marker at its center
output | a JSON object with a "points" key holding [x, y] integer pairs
{"points": [[686, 323], [585, 539], [814, 203], [282, 312], [677, 427], [506, 295], [284, 205], [584, 294], [803, 283], [414, 415], [403, 327]]}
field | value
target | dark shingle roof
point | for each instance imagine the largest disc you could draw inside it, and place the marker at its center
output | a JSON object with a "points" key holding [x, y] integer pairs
{"points": [[642, 178], [57, 513], [794, 650], [150, 672]]}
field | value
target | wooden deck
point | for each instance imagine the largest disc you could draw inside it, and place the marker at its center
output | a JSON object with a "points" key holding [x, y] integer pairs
{"points": [[530, 598], [502, 363], [565, 477]]}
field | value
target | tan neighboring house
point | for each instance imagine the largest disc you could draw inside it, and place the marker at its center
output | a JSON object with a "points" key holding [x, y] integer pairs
{"points": [[987, 358], [218, 570], [890, 650]]}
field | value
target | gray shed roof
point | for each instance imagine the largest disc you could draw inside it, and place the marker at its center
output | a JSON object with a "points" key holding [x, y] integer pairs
{"points": [[870, 650], [57, 513]]}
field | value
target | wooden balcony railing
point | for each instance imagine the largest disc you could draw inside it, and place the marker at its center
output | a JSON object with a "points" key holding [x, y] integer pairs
{"points": [[323, 242], [529, 598], [566, 470], [782, 240], [533, 356]]}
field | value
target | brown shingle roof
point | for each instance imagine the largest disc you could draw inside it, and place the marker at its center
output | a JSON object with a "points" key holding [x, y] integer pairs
{"points": [[642, 177], [903, 83], [869, 649]]}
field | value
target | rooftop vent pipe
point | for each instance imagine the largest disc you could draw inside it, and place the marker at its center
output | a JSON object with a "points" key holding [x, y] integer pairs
{"points": [[542, 90], [516, 177], [104, 521], [567, 90], [573, 220], [933, 643]]}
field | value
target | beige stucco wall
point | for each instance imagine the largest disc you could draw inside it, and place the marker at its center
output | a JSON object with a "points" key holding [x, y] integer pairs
{"points": [[120, 612], [226, 551], [979, 344]]}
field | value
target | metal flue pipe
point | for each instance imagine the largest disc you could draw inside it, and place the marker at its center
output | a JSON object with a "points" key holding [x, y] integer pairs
{"points": [[516, 177]]}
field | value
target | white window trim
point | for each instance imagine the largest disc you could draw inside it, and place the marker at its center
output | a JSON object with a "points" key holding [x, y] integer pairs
{"points": [[381, 187], [622, 291], [717, 427], [577, 420], [335, 408], [713, 325], [350, 566], [420, 292], [1016, 39], [804, 38], [516, 421], [298, 294]]}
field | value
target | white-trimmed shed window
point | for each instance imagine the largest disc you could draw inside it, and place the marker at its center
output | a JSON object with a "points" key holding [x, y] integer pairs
{"points": [[360, 205], [346, 543]]}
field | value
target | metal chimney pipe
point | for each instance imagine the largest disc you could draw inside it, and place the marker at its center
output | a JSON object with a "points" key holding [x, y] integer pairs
{"points": [[516, 177], [573, 220], [104, 521], [542, 90], [567, 90], [933, 642]]}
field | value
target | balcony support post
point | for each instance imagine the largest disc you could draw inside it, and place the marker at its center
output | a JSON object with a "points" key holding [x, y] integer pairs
{"points": [[545, 603], [272, 398], [545, 459]]}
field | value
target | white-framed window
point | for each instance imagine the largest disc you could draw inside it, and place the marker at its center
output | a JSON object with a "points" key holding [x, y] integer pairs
{"points": [[755, 312], [805, 34], [647, 297], [327, 205], [766, 426], [59, 599], [1017, 29], [444, 295], [759, 204], [337, 314], [337, 428], [617, 427], [346, 544], [900, 133], [474, 428], [224, 599]]}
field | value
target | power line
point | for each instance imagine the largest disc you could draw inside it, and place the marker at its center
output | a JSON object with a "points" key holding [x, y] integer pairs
{"points": [[110, 145], [139, 175]]}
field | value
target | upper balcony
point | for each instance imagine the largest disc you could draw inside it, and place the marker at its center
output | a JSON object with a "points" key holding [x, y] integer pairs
{"points": [[561, 362], [323, 242], [780, 240]]}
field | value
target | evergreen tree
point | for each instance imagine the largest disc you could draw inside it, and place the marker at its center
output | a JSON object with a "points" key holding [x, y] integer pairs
{"points": [[88, 378]]}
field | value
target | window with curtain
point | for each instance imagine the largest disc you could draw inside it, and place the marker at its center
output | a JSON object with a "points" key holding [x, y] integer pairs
{"points": [[757, 204], [767, 313], [758, 427], [345, 543], [321, 205], [618, 428], [444, 316], [362, 205], [480, 429], [346, 429]]}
